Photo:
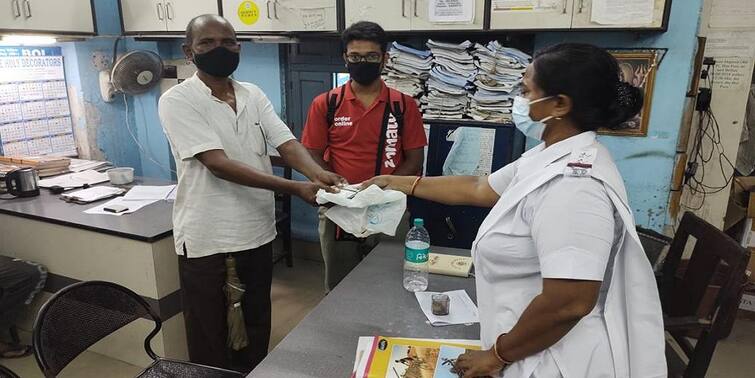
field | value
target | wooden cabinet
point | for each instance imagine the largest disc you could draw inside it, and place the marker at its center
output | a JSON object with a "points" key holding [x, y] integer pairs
{"points": [[405, 15], [551, 14], [394, 15], [421, 19], [281, 15], [75, 17], [162, 15], [583, 17]]}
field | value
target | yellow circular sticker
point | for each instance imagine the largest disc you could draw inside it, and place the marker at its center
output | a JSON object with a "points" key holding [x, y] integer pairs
{"points": [[248, 12]]}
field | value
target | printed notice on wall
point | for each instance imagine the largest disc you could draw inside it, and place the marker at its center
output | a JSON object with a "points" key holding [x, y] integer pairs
{"points": [[730, 43], [732, 14], [35, 117], [443, 11], [622, 12], [528, 5], [732, 72]]}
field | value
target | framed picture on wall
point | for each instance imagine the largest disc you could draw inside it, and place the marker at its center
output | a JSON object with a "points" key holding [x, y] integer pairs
{"points": [[638, 68]]}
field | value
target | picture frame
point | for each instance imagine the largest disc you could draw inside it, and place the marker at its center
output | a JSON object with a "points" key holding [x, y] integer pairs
{"points": [[637, 67]]}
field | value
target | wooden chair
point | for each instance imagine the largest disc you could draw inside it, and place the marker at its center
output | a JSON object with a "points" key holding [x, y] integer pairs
{"points": [[714, 253]]}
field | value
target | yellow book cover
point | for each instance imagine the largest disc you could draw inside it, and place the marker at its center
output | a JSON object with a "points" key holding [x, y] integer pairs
{"points": [[393, 357]]}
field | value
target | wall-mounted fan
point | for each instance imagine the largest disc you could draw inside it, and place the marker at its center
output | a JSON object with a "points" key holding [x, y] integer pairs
{"points": [[134, 73]]}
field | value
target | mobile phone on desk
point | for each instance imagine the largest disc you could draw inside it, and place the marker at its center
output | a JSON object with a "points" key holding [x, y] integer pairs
{"points": [[115, 208]]}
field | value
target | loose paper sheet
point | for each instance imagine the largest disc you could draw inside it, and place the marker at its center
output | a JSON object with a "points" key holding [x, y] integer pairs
{"points": [[442, 11], [133, 206], [622, 12], [471, 153], [461, 308]]}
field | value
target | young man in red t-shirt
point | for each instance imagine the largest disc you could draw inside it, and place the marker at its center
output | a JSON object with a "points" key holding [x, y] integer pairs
{"points": [[360, 130]]}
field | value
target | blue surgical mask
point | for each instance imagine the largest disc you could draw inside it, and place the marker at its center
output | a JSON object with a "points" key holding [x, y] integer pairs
{"points": [[520, 112]]}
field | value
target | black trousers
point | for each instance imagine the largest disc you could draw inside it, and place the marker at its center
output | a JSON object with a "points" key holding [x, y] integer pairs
{"points": [[204, 307]]}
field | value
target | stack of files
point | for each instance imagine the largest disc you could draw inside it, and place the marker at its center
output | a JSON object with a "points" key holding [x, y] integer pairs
{"points": [[80, 165], [500, 71], [450, 82], [75, 180], [407, 69], [44, 165]]}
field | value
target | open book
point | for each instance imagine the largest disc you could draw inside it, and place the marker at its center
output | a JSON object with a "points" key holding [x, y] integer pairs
{"points": [[392, 357]]}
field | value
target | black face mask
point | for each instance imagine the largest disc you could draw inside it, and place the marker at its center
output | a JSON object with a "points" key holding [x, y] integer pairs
{"points": [[364, 73], [218, 62]]}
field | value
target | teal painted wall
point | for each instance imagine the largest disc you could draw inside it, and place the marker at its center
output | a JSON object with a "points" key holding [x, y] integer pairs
{"points": [[647, 163]]}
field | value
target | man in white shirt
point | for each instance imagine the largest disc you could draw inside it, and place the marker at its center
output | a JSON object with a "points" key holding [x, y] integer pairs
{"points": [[221, 131]]}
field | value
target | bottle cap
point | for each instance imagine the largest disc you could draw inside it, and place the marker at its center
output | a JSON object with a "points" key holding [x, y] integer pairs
{"points": [[418, 222]]}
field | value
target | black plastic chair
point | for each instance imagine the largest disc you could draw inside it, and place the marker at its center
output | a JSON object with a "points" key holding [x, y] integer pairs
{"points": [[82, 314], [7, 373]]}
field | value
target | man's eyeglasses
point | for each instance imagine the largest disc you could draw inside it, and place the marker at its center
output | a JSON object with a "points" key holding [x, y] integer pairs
{"points": [[369, 58]]}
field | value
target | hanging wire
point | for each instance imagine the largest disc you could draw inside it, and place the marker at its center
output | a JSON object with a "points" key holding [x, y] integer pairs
{"points": [[708, 133]]}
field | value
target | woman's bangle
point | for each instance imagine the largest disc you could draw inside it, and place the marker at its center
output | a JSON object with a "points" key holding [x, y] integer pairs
{"points": [[500, 358], [414, 185]]}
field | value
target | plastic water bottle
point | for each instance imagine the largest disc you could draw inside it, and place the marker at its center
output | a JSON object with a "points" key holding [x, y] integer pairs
{"points": [[416, 253]]}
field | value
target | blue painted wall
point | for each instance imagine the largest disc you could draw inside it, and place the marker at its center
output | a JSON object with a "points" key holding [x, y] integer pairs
{"points": [[647, 163]]}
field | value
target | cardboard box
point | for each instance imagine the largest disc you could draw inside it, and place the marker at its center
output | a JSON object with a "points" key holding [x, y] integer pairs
{"points": [[740, 201]]}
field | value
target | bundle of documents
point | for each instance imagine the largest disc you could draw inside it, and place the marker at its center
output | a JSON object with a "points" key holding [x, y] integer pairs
{"points": [[380, 357], [80, 165], [407, 69], [92, 194], [500, 71], [450, 80], [75, 180], [44, 165]]}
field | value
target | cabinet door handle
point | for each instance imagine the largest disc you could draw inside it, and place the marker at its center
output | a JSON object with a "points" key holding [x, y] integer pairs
{"points": [[169, 10], [403, 8], [267, 8], [415, 8], [581, 6], [27, 9], [16, 8], [564, 9], [159, 7], [275, 9]]}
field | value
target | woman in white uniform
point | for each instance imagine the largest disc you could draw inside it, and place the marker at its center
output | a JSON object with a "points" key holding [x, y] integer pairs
{"points": [[563, 286]]}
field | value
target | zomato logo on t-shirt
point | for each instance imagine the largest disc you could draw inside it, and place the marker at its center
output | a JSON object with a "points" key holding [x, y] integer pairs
{"points": [[391, 140], [344, 121]]}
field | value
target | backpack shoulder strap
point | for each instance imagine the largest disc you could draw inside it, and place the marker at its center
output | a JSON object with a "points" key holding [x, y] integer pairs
{"points": [[397, 108], [334, 102]]}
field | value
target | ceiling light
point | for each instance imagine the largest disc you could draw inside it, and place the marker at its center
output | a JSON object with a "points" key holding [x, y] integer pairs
{"points": [[28, 40]]}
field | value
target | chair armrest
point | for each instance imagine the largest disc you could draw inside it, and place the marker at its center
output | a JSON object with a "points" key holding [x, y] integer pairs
{"points": [[685, 323]]}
